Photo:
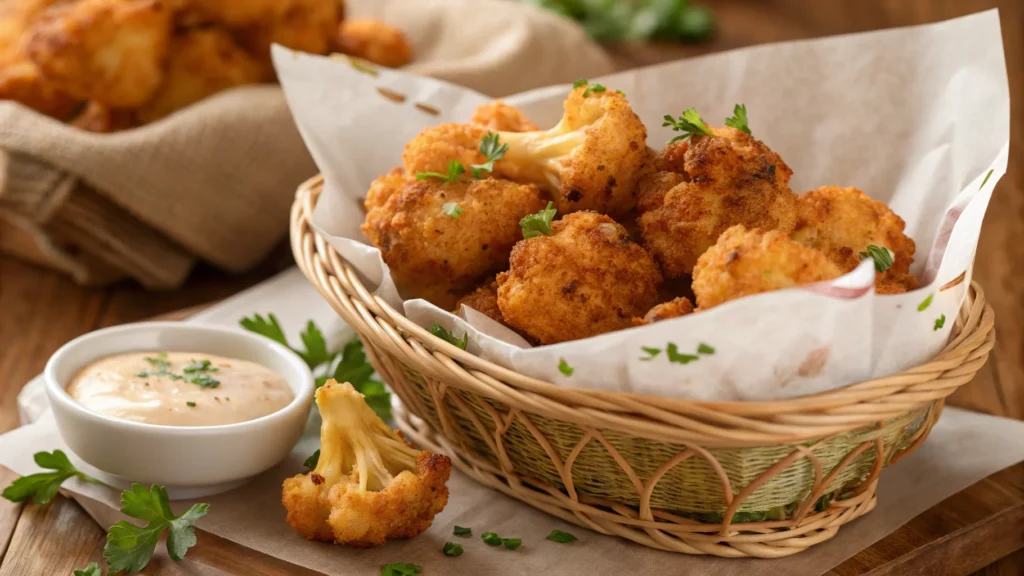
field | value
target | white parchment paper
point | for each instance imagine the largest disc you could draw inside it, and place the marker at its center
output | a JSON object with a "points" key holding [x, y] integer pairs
{"points": [[916, 117]]}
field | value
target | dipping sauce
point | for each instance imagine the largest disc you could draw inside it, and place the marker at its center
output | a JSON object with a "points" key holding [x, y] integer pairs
{"points": [[179, 388]]}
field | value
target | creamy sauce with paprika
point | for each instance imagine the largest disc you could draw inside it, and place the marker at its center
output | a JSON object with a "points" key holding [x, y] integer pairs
{"points": [[180, 388]]}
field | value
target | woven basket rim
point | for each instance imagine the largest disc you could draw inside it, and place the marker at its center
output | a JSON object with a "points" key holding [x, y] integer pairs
{"points": [[810, 416]]}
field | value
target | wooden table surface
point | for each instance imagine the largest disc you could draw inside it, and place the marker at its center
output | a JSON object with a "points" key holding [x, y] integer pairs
{"points": [[979, 530]]}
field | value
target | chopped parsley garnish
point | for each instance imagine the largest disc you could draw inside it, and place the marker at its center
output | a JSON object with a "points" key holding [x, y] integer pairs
{"points": [[462, 531], [689, 123], [491, 539], [987, 176], [672, 351], [620, 92], [925, 303], [637, 20], [880, 254], [190, 404], [594, 88], [561, 537], [401, 569], [352, 367], [313, 460], [493, 150], [92, 569], [738, 120], [512, 543], [200, 366], [564, 367], [940, 322], [197, 372], [442, 333], [534, 225], [703, 348], [578, 83], [203, 380], [159, 362], [452, 209], [651, 352], [452, 549], [455, 169], [129, 546], [41, 487]]}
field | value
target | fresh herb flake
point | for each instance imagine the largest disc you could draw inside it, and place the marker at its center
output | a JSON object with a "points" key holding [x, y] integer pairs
{"points": [[462, 531], [452, 209], [882, 256], [493, 150], [190, 404], [738, 120], [651, 352], [491, 539], [987, 176], [925, 303], [561, 537], [594, 89], [940, 322], [578, 83], [672, 351], [703, 348], [511, 543], [455, 169], [449, 337], [452, 549], [312, 461], [41, 487], [92, 569], [401, 569], [564, 367], [129, 546], [534, 225], [689, 123]]}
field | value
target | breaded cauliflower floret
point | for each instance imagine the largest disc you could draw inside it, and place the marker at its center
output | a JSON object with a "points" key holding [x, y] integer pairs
{"points": [[672, 309], [703, 186], [842, 222], [441, 238], [587, 278], [373, 40], [111, 51], [306, 25], [368, 485], [500, 116], [745, 262], [20, 78], [484, 300]]}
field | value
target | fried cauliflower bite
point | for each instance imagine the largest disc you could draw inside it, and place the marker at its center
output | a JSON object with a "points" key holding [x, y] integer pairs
{"points": [[231, 13], [587, 278], [500, 116], [703, 186], [373, 40], [484, 300], [672, 309], [745, 262], [103, 119], [111, 51], [20, 79], [306, 25], [842, 222], [201, 63], [438, 256], [369, 485]]}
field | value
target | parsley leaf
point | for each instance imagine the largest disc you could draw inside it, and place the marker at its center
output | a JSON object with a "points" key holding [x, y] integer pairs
{"points": [[129, 546], [703, 348], [159, 362], [881, 255], [313, 460], [401, 569], [268, 327], [491, 538], [355, 369], [561, 537], [534, 225], [92, 569], [925, 303], [511, 543], [493, 150], [440, 332], [578, 83], [690, 123], [594, 88], [672, 351], [564, 367], [315, 344], [940, 322], [460, 531], [651, 352], [199, 366], [452, 549], [455, 169], [738, 120], [452, 209], [190, 404], [41, 487], [203, 380], [987, 176]]}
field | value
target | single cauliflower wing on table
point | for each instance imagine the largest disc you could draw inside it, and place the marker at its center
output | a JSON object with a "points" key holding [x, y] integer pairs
{"points": [[369, 485]]}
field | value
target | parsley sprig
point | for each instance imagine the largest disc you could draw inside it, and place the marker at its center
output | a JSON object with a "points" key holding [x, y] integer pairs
{"points": [[346, 365], [880, 254], [130, 546], [493, 150], [41, 487], [91, 569], [313, 460], [738, 120], [450, 337], [401, 569], [561, 537], [197, 372], [610, 21], [455, 169], [534, 225], [689, 123]]}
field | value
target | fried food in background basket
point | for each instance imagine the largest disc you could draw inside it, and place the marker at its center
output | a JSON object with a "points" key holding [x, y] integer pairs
{"points": [[108, 65]]}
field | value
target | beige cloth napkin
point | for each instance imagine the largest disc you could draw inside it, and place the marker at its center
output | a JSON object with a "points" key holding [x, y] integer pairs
{"points": [[214, 181]]}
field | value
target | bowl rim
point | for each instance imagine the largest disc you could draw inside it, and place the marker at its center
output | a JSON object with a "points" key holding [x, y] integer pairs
{"points": [[57, 391]]}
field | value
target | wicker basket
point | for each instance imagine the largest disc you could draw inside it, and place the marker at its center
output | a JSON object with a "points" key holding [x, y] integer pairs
{"points": [[733, 479]]}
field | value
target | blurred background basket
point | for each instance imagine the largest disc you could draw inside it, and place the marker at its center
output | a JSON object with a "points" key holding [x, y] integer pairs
{"points": [[732, 479]]}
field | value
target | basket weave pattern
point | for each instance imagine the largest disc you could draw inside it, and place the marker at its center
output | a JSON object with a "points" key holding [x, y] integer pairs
{"points": [[733, 479]]}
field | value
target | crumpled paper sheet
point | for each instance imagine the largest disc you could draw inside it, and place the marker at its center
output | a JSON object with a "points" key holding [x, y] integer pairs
{"points": [[916, 117]]}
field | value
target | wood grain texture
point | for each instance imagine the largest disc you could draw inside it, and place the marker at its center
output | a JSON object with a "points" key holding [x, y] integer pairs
{"points": [[979, 526]]}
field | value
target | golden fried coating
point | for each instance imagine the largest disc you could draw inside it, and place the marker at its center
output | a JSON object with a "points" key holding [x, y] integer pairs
{"points": [[369, 485], [842, 222], [305, 25], [433, 148], [673, 309], [202, 62], [500, 116], [704, 186], [437, 256], [231, 13], [383, 188], [20, 79], [484, 300], [586, 279], [373, 40], [103, 119], [745, 262], [111, 51]]}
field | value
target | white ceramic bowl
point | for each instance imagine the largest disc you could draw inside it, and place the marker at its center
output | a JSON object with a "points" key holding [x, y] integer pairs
{"points": [[190, 461]]}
